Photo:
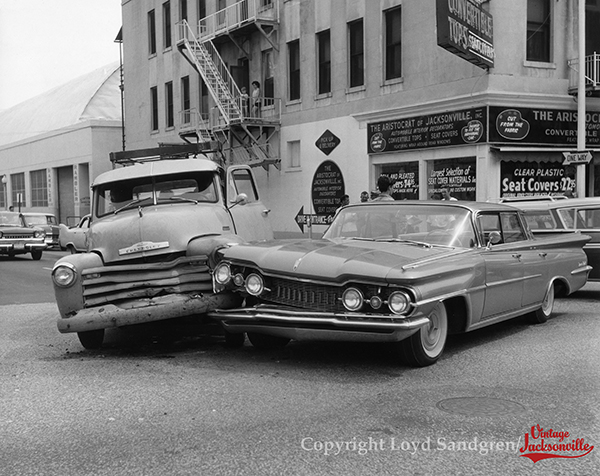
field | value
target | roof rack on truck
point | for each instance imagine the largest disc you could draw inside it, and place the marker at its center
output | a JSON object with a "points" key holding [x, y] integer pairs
{"points": [[209, 150]]}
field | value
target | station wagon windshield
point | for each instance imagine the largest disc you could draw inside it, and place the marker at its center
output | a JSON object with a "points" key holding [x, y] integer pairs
{"points": [[435, 225], [10, 219], [115, 197]]}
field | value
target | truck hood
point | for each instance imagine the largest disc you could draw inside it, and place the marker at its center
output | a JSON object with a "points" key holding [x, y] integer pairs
{"points": [[155, 230], [335, 260]]}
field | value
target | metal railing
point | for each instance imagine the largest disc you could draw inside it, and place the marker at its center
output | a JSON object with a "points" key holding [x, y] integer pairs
{"points": [[236, 15], [591, 71], [194, 120]]}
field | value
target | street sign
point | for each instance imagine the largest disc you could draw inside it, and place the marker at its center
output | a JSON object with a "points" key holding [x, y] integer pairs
{"points": [[577, 158], [311, 219]]}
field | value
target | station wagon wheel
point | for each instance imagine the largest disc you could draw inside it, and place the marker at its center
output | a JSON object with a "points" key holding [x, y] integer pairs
{"points": [[267, 342], [542, 314], [36, 255], [91, 340], [426, 346]]}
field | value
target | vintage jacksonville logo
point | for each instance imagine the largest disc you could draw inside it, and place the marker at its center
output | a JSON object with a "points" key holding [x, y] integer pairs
{"points": [[543, 444], [143, 246]]}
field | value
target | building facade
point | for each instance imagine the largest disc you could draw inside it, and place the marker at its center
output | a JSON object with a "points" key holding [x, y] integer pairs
{"points": [[52, 146], [475, 96]]}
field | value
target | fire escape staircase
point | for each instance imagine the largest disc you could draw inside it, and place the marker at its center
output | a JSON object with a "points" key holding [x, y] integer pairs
{"points": [[238, 142]]}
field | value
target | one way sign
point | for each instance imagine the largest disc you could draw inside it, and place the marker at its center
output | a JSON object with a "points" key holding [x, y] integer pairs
{"points": [[577, 158]]}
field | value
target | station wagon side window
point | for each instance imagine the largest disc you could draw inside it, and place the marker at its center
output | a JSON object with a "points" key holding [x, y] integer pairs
{"points": [[241, 181], [588, 219], [567, 215]]}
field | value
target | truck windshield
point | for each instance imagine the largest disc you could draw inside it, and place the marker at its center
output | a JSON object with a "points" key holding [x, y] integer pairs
{"points": [[144, 191]]}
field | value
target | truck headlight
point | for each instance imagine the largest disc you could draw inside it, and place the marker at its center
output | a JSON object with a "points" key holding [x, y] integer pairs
{"points": [[399, 302], [255, 284], [64, 275], [353, 299], [222, 274]]}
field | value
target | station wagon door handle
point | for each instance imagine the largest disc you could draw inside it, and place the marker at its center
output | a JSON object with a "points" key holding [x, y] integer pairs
{"points": [[266, 211], [543, 255], [517, 255]]}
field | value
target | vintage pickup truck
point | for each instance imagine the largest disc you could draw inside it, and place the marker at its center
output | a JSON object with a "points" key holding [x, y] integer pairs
{"points": [[155, 226]]}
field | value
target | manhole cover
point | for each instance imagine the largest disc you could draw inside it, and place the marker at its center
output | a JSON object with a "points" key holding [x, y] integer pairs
{"points": [[479, 406]]}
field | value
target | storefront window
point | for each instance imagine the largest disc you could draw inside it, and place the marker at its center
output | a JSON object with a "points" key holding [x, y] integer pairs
{"points": [[527, 179], [405, 180], [456, 175]]}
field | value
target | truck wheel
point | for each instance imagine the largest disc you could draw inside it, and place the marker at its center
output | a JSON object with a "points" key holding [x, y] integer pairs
{"points": [[91, 340], [36, 255], [234, 340], [425, 347], [266, 342]]}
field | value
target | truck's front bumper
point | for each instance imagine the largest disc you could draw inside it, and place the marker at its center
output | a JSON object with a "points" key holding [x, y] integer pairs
{"points": [[309, 325], [145, 310]]}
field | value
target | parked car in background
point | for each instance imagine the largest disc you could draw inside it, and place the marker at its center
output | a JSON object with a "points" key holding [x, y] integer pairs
{"points": [[47, 222], [155, 227], [405, 272], [566, 216], [16, 238], [74, 238]]}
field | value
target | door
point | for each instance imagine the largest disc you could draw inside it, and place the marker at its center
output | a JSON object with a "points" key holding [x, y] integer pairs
{"points": [[250, 216]]}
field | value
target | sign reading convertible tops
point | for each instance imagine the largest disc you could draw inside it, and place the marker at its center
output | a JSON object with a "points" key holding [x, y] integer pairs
{"points": [[465, 29], [462, 127]]}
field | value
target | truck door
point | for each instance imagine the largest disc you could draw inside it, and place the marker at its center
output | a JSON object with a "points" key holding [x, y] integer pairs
{"points": [[250, 216]]}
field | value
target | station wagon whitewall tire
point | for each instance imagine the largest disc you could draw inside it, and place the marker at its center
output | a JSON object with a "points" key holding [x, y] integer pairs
{"points": [[543, 313], [426, 346]]}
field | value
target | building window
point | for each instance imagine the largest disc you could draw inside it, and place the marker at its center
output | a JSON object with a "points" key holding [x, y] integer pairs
{"points": [[39, 188], [17, 182], [151, 33], [324, 59], [170, 121], [183, 10], [185, 100], [154, 108], [3, 194], [294, 153], [294, 69], [538, 30], [356, 50], [393, 43], [268, 74], [201, 9], [166, 9]]}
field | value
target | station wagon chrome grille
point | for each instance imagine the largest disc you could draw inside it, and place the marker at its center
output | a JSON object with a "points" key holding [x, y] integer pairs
{"points": [[14, 236], [306, 295], [111, 284]]}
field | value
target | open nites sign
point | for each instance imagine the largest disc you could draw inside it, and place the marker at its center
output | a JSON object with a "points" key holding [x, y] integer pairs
{"points": [[465, 29]]}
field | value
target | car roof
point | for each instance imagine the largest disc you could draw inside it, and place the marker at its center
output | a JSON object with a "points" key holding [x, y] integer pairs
{"points": [[568, 203], [472, 206], [156, 168]]}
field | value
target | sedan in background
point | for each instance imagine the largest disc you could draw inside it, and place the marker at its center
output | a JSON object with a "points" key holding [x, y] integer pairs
{"points": [[16, 238], [74, 238], [404, 272], [567, 216], [47, 222]]}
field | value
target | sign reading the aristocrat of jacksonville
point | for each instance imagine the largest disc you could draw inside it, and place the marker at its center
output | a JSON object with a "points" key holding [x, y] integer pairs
{"points": [[465, 29], [462, 127]]}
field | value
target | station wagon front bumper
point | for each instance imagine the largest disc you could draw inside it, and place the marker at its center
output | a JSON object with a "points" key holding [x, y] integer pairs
{"points": [[145, 310], [309, 325]]}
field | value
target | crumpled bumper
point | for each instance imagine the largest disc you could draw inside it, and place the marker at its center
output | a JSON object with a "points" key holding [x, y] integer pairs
{"points": [[308, 325], [145, 310]]}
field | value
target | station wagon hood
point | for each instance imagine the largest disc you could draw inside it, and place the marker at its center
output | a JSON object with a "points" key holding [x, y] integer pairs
{"points": [[335, 260], [154, 231]]}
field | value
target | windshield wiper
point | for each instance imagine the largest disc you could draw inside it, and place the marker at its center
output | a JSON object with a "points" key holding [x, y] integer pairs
{"points": [[130, 204], [409, 242], [179, 199]]}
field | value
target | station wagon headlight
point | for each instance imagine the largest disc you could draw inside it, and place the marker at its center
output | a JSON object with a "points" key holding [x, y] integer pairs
{"points": [[64, 276], [353, 299], [39, 234], [222, 273], [398, 302], [255, 284]]}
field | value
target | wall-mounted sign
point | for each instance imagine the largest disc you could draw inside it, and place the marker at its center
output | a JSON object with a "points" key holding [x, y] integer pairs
{"points": [[327, 142], [458, 175], [524, 179], [540, 126], [327, 188], [467, 126], [465, 29]]}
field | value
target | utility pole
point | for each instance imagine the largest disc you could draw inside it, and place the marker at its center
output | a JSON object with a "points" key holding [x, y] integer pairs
{"points": [[581, 185]]}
